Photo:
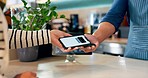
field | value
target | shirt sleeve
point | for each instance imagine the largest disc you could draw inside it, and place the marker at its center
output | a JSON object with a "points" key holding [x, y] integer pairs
{"points": [[23, 39], [116, 13]]}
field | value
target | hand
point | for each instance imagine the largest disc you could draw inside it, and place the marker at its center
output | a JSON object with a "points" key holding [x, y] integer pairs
{"points": [[55, 35], [26, 75], [93, 40]]}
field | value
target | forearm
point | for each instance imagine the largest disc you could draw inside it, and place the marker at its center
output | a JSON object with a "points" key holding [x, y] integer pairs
{"points": [[23, 39], [104, 30]]}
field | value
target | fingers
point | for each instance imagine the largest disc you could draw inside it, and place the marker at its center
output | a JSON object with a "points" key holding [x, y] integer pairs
{"points": [[69, 49], [56, 34], [66, 34], [88, 49]]}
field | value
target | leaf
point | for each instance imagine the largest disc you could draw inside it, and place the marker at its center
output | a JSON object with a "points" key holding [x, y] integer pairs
{"points": [[15, 22], [55, 14], [47, 3], [62, 16], [50, 15], [44, 12], [53, 8], [24, 2], [28, 8], [48, 18], [40, 5], [30, 17], [14, 19]]}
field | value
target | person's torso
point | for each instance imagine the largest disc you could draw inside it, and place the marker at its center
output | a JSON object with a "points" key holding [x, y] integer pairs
{"points": [[138, 36], [138, 10]]}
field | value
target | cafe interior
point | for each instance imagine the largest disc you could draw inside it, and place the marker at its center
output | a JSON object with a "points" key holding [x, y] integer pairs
{"points": [[80, 17]]}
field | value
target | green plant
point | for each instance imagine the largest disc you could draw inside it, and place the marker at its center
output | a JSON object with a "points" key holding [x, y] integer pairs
{"points": [[36, 18]]}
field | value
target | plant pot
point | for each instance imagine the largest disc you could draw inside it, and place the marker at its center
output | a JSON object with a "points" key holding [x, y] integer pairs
{"points": [[28, 54]]}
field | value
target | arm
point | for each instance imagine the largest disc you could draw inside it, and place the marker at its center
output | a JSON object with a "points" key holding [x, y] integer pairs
{"points": [[109, 24], [22, 39], [104, 30], [116, 14]]}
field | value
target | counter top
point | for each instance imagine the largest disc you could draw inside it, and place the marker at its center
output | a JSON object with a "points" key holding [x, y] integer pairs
{"points": [[116, 40], [93, 66]]}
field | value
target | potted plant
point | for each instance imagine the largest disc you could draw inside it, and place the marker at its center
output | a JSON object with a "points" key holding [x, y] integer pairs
{"points": [[34, 19]]}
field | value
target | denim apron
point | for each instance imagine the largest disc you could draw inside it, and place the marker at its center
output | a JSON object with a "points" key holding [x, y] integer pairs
{"points": [[137, 46]]}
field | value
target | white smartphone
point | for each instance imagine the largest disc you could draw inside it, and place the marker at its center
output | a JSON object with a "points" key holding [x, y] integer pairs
{"points": [[75, 41]]}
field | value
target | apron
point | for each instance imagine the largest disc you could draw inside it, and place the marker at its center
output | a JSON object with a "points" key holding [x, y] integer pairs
{"points": [[137, 46]]}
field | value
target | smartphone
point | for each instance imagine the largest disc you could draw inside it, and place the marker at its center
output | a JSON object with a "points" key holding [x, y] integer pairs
{"points": [[75, 41]]}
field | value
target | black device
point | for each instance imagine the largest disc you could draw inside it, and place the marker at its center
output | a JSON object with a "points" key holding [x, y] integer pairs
{"points": [[74, 18], [75, 41]]}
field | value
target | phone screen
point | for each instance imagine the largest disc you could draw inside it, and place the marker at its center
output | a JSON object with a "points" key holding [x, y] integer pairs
{"points": [[74, 41]]}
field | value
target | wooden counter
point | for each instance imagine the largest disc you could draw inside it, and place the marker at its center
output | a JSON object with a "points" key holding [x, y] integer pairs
{"points": [[93, 66]]}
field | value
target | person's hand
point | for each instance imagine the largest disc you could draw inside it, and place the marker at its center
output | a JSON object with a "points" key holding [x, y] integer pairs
{"points": [[55, 35], [26, 75], [93, 40]]}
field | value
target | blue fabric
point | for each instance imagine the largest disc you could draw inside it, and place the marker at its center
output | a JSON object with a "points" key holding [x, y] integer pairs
{"points": [[116, 13], [137, 46]]}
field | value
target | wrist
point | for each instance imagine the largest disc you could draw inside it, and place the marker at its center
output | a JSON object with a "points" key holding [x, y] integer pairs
{"points": [[98, 37]]}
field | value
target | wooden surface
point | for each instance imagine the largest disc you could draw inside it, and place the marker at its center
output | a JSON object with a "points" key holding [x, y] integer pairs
{"points": [[16, 67], [93, 66]]}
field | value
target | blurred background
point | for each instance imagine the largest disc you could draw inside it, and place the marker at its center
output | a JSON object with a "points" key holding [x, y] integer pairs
{"points": [[82, 16]]}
